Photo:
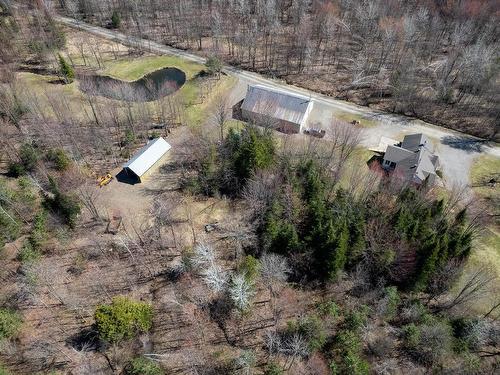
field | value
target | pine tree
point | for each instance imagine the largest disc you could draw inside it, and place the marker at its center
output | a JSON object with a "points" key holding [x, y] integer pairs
{"points": [[115, 20], [66, 70]]}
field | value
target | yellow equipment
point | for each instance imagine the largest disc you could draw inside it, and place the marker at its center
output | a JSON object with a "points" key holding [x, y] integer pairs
{"points": [[104, 180]]}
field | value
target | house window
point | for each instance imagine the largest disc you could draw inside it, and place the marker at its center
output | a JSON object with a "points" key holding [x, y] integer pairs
{"points": [[393, 165], [386, 162]]}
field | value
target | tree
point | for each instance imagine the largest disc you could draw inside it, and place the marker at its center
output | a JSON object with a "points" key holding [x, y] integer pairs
{"points": [[115, 20], [241, 292], [214, 66], [66, 70], [123, 319]]}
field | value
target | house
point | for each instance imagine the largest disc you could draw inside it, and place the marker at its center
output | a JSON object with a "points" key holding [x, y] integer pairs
{"points": [[278, 109], [145, 158], [412, 160]]}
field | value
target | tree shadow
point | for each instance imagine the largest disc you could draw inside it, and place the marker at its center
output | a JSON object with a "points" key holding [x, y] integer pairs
{"points": [[87, 339], [463, 142]]}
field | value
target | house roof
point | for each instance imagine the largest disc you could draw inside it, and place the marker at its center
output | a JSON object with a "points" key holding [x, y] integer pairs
{"points": [[414, 142], [147, 156], [276, 104], [414, 158]]}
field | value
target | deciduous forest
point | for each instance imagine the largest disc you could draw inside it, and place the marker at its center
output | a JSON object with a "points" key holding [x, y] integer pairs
{"points": [[243, 250], [432, 59]]}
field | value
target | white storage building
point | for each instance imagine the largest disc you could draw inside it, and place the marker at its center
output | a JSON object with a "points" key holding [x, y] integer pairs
{"points": [[146, 157]]}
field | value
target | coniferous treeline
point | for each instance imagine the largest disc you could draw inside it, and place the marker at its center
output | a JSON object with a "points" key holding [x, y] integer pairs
{"points": [[305, 215]]}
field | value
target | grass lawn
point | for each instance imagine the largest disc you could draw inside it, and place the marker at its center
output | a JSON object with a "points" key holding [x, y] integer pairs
{"points": [[364, 121], [131, 69], [196, 114], [487, 246]]}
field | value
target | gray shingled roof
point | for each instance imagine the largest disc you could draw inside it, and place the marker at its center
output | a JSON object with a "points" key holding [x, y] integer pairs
{"points": [[414, 158], [276, 104]]}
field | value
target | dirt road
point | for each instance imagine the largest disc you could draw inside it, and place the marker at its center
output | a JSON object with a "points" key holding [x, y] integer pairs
{"points": [[457, 151]]}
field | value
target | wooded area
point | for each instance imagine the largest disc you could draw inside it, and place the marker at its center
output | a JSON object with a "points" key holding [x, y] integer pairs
{"points": [[245, 251], [435, 60]]}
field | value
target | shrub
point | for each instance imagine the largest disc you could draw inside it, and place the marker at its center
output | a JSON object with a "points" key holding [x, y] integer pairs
{"points": [[273, 369], [28, 254], [66, 70], [329, 308], [129, 137], [388, 306], [16, 169], [9, 227], [115, 20], [59, 158], [38, 231], [3, 370], [66, 205], [352, 364], [348, 341], [143, 366], [312, 330], [29, 156], [411, 335], [250, 267], [213, 65], [123, 319], [357, 319], [10, 323]]}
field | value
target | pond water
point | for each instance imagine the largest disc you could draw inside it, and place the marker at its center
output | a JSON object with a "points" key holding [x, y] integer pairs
{"points": [[152, 86]]}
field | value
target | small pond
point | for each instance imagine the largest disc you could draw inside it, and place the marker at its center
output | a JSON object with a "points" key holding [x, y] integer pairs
{"points": [[152, 86]]}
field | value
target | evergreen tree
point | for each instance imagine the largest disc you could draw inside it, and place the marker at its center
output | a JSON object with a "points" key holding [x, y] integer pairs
{"points": [[115, 20], [66, 70]]}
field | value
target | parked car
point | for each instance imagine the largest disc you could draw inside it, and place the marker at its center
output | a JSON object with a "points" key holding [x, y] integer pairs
{"points": [[319, 133]]}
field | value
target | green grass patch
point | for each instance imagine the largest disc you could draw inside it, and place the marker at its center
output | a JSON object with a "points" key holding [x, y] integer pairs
{"points": [[196, 114], [485, 168], [130, 69], [364, 121]]}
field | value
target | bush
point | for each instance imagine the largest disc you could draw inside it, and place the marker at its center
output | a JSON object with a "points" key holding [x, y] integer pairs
{"points": [[352, 364], [28, 254], [10, 323], [311, 328], [38, 231], [273, 369], [129, 137], [115, 20], [3, 371], [59, 158], [411, 336], [123, 319], [348, 341], [66, 70], [357, 319], [388, 306], [66, 205], [250, 267], [329, 308], [29, 156], [16, 169], [213, 65], [143, 366]]}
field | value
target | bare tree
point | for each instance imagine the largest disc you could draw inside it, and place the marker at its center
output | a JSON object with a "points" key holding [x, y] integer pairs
{"points": [[241, 292]]}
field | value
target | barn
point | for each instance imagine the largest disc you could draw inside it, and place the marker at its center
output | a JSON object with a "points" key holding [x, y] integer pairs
{"points": [[275, 108], [146, 158]]}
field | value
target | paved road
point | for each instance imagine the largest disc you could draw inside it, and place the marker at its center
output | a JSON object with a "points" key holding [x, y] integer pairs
{"points": [[457, 151]]}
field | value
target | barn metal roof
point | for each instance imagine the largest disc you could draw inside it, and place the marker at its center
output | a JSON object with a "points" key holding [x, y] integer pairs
{"points": [[147, 156], [276, 104]]}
